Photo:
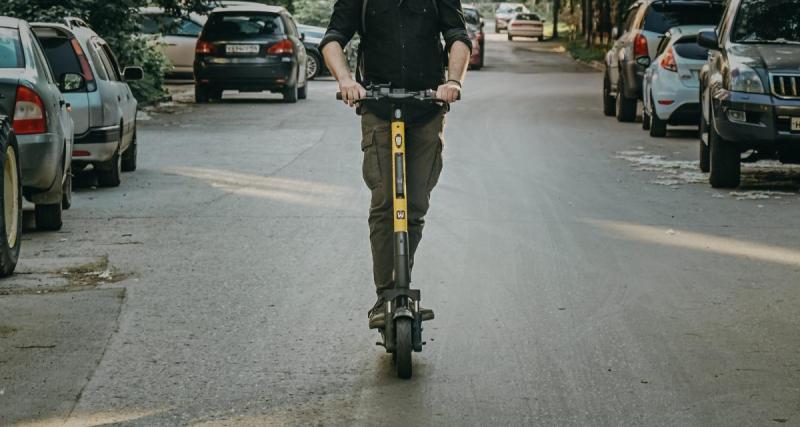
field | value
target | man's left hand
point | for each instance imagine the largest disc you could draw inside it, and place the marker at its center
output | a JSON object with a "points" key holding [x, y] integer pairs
{"points": [[448, 92]]}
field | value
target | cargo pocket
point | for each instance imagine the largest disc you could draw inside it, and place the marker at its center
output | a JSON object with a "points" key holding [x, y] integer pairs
{"points": [[436, 169], [370, 169]]}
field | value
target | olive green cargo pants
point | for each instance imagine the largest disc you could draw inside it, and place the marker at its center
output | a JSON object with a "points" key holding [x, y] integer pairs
{"points": [[424, 143]]}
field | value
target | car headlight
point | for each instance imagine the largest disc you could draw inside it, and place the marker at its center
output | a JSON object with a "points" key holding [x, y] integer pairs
{"points": [[746, 79]]}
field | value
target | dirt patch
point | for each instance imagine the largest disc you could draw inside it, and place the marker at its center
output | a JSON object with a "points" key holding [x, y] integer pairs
{"points": [[85, 275]]}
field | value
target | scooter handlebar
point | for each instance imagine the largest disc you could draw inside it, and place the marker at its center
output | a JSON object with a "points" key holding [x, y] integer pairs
{"points": [[423, 96]]}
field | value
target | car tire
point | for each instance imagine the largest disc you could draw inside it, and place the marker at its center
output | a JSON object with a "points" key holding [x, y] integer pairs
{"points": [[609, 107], [625, 107], [11, 185], [541, 38], [48, 217], [201, 94], [110, 173], [645, 120], [483, 54], [66, 194], [215, 94], [129, 156], [510, 37], [705, 162], [313, 66], [290, 94], [658, 127], [724, 160], [302, 93], [496, 28]]}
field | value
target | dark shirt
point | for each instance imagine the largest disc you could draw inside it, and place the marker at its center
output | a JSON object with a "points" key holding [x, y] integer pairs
{"points": [[401, 43]]}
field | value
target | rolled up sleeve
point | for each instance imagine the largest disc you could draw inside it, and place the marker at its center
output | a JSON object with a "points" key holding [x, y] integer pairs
{"points": [[344, 23], [452, 24]]}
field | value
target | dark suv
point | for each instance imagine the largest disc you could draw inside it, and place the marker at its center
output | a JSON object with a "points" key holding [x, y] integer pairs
{"points": [[643, 27], [750, 88], [250, 48]]}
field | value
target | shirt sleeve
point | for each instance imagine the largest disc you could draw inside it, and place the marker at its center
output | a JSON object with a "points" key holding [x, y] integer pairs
{"points": [[452, 23], [344, 23]]}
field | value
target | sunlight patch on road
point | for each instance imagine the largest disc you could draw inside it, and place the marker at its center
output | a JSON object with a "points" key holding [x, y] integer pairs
{"points": [[288, 190], [92, 419], [701, 242]]}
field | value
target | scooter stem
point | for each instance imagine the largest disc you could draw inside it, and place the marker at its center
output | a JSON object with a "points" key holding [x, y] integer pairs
{"points": [[402, 268]]}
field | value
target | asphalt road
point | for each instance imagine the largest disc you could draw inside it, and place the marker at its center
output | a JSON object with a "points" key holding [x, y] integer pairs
{"points": [[580, 272]]}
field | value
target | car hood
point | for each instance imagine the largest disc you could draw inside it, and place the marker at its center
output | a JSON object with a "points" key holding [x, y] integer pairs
{"points": [[767, 56]]}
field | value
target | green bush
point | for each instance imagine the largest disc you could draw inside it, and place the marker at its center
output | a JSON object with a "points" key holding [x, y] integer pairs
{"points": [[116, 22]]}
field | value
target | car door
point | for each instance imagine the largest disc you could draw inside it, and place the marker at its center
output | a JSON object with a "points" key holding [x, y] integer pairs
{"points": [[300, 48], [127, 103], [619, 46], [180, 39], [106, 85]]}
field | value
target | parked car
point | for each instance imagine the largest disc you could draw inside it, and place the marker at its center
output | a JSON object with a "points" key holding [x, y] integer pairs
{"points": [[526, 25], [104, 108], [644, 24], [504, 13], [250, 48], [177, 36], [750, 88], [43, 129], [671, 82], [475, 25], [312, 36]]}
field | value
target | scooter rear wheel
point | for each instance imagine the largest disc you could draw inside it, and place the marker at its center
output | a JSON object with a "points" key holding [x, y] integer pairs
{"points": [[403, 347]]}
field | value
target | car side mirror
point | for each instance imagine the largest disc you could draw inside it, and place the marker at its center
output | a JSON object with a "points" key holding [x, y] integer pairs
{"points": [[71, 82], [708, 39], [132, 73], [615, 33]]}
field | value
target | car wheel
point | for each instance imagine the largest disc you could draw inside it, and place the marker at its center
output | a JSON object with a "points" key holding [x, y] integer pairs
{"points": [[11, 233], [626, 107], [109, 174], [541, 38], [201, 94], [302, 93], [645, 120], [129, 156], [66, 195], [704, 150], [214, 94], [290, 94], [312, 66], [658, 127], [724, 160], [480, 63], [510, 37], [496, 28], [609, 107]]}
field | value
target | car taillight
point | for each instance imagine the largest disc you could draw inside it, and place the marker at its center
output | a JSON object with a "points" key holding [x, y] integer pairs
{"points": [[668, 61], [640, 46], [29, 117], [86, 70], [204, 47], [282, 47]]}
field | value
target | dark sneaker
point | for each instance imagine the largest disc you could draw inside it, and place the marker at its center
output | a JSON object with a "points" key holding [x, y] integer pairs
{"points": [[377, 314]]}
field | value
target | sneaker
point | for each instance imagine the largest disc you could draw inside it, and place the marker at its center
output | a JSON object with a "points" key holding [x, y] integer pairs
{"points": [[377, 314]]}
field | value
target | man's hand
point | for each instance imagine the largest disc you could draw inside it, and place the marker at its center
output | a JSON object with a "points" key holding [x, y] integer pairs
{"points": [[351, 91], [448, 92]]}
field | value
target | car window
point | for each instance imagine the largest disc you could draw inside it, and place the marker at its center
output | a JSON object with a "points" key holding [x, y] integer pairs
{"points": [[100, 68], [42, 65], [242, 26], [661, 17], [776, 21], [662, 45], [11, 55], [109, 56], [60, 53], [527, 17], [688, 48], [291, 29]]}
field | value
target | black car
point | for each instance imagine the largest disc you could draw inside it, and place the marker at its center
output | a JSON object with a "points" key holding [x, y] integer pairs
{"points": [[750, 88], [312, 37], [250, 48], [636, 40]]}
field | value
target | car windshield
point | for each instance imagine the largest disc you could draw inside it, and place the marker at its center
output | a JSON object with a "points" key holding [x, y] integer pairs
{"points": [[61, 55], [663, 16], [243, 26], [471, 16], [527, 17], [508, 8], [772, 21], [10, 49]]}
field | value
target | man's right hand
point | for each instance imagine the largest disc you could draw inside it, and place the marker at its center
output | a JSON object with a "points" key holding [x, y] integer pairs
{"points": [[351, 91]]}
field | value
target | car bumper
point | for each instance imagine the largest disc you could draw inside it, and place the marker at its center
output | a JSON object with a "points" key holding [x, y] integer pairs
{"points": [[39, 157], [767, 125], [261, 74], [96, 145], [685, 110], [515, 32]]}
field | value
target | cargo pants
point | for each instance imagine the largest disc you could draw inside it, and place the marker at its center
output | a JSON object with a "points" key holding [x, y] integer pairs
{"points": [[424, 144]]}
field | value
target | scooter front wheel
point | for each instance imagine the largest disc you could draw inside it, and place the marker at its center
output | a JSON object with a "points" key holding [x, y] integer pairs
{"points": [[403, 347]]}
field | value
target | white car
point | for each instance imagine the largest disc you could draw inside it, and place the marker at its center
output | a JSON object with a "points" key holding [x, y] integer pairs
{"points": [[177, 36], [671, 83], [504, 13], [526, 25]]}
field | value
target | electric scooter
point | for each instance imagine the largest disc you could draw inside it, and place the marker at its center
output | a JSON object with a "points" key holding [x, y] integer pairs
{"points": [[401, 328]]}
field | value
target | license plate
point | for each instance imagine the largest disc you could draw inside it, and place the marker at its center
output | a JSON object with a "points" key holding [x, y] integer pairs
{"points": [[241, 48], [795, 124]]}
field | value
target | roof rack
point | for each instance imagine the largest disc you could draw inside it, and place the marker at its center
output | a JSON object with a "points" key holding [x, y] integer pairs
{"points": [[73, 22]]}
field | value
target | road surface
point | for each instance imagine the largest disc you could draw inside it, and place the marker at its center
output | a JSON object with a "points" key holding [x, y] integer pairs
{"points": [[580, 273]]}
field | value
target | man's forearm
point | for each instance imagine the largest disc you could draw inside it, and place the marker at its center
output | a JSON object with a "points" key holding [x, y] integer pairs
{"points": [[336, 61], [459, 59]]}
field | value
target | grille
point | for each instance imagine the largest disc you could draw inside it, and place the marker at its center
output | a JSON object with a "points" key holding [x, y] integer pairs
{"points": [[786, 85]]}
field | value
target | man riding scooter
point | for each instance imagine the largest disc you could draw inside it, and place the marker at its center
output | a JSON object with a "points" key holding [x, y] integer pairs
{"points": [[400, 45]]}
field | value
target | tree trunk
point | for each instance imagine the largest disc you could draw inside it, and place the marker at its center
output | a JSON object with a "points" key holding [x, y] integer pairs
{"points": [[556, 11]]}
